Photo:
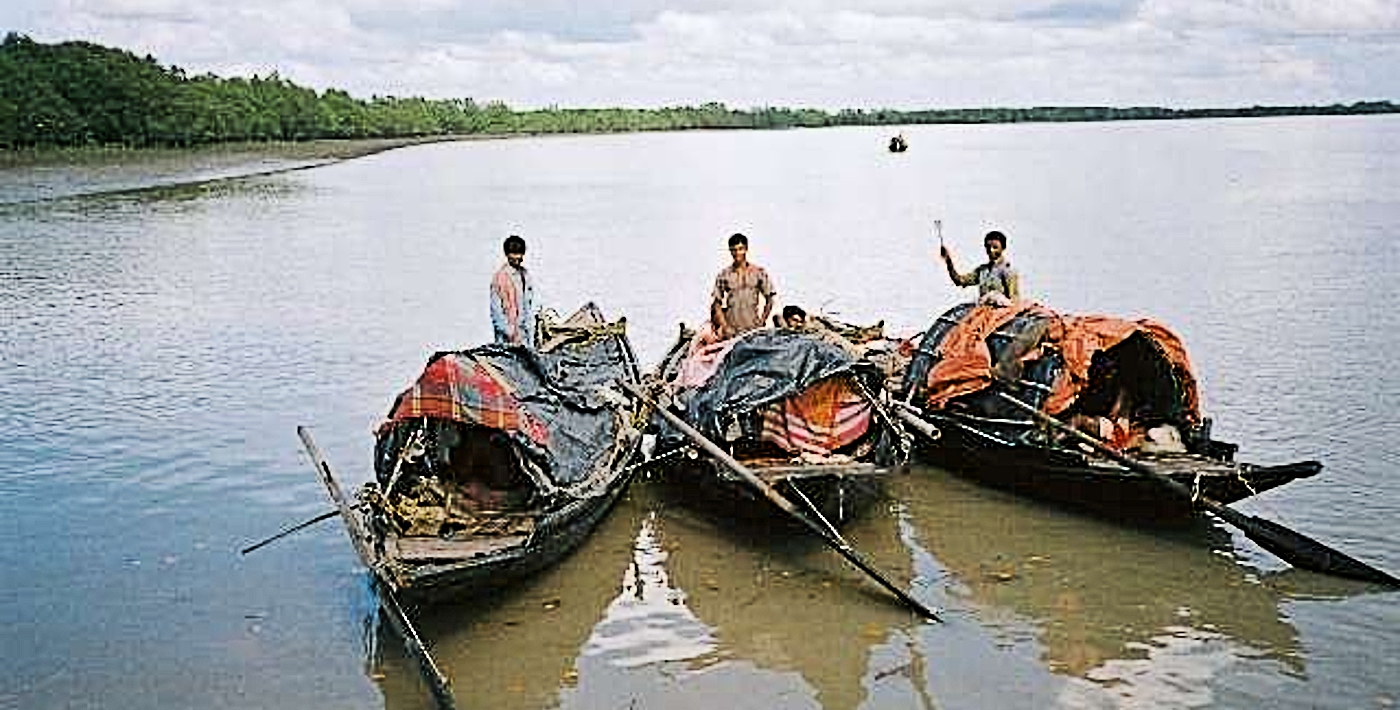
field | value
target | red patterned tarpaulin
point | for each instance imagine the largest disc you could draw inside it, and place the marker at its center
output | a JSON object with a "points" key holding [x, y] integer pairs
{"points": [[822, 419], [460, 388]]}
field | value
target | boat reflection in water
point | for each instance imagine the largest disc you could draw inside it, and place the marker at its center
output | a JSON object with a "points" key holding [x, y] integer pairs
{"points": [[663, 607], [794, 624], [1149, 617], [517, 648]]}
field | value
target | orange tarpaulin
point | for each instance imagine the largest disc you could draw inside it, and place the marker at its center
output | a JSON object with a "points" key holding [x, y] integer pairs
{"points": [[965, 363]]}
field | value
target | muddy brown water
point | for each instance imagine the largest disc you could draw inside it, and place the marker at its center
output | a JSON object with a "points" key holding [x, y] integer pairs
{"points": [[162, 340]]}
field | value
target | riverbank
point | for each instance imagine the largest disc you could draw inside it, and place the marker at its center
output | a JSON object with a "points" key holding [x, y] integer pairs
{"points": [[317, 150], [39, 174]]}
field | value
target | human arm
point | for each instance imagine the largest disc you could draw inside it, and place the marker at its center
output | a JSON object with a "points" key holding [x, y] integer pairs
{"points": [[500, 325], [529, 308], [717, 318], [1013, 285], [766, 285], [717, 304], [957, 278]]}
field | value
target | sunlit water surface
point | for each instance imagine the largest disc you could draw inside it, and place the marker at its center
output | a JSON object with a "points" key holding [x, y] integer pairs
{"points": [[160, 347]]}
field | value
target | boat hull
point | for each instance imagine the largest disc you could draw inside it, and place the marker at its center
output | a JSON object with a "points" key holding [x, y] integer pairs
{"points": [[1104, 489], [556, 536], [838, 493], [453, 510]]}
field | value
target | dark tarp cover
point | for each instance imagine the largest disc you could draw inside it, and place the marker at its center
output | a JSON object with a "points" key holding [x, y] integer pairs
{"points": [[763, 367], [547, 403]]}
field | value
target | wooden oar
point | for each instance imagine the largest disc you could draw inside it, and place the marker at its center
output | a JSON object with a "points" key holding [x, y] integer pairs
{"points": [[776, 498], [437, 682], [299, 526], [1292, 547], [384, 591], [916, 422]]}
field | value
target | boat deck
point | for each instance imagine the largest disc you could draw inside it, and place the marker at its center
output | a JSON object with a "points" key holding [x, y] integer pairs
{"points": [[775, 470], [430, 549]]}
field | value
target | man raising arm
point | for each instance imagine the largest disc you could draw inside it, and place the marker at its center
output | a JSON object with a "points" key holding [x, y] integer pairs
{"points": [[997, 283]]}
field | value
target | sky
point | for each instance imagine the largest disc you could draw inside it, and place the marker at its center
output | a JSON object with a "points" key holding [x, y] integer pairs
{"points": [[829, 54]]}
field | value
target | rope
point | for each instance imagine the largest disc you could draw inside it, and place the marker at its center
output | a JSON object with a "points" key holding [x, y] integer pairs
{"points": [[1245, 481], [411, 449], [552, 335], [1254, 495]]}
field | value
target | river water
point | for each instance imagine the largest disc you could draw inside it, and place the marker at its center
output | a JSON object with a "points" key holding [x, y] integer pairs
{"points": [[161, 345]]}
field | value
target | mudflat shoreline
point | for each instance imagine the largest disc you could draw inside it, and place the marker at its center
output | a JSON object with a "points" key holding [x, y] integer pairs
{"points": [[53, 173], [325, 150]]}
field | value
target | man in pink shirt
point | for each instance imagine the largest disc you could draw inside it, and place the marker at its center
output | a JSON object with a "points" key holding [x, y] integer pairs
{"points": [[513, 297]]}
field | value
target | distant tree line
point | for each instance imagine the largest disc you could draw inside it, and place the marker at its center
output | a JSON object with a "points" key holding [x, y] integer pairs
{"points": [[84, 94]]}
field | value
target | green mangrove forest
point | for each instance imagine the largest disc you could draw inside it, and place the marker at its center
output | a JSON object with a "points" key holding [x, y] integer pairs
{"points": [[75, 94]]}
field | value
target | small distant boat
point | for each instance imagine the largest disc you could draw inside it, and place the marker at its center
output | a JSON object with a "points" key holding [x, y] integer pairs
{"points": [[498, 461], [1128, 381], [798, 410], [898, 144]]}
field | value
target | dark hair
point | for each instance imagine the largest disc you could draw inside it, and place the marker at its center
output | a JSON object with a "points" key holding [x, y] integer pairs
{"points": [[514, 245], [995, 236], [738, 238], [790, 311]]}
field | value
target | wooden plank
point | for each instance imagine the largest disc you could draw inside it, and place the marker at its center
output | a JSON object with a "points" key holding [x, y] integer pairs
{"points": [[1179, 464], [773, 473], [422, 549]]}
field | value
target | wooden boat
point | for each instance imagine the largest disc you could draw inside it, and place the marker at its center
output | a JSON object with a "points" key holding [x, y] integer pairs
{"points": [[498, 461], [1127, 381], [796, 409]]}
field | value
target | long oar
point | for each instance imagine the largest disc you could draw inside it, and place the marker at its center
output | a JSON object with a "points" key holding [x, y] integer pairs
{"points": [[299, 526], [438, 684], [834, 542], [384, 591], [1292, 547]]}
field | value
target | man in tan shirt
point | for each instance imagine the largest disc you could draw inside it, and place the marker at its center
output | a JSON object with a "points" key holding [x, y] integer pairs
{"points": [[743, 295]]}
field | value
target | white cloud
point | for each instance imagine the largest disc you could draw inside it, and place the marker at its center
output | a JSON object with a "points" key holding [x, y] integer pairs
{"points": [[828, 53], [1280, 17]]}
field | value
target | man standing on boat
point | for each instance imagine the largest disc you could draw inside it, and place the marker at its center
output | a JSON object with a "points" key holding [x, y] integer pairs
{"points": [[513, 297], [996, 282], [743, 295]]}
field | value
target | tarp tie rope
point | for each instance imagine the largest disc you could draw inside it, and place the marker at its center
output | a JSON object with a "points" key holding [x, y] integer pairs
{"points": [[1240, 475], [411, 449], [1254, 495]]}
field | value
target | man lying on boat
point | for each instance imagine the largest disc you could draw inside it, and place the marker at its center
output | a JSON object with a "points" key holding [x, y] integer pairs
{"points": [[1112, 409], [795, 319], [890, 355]]}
